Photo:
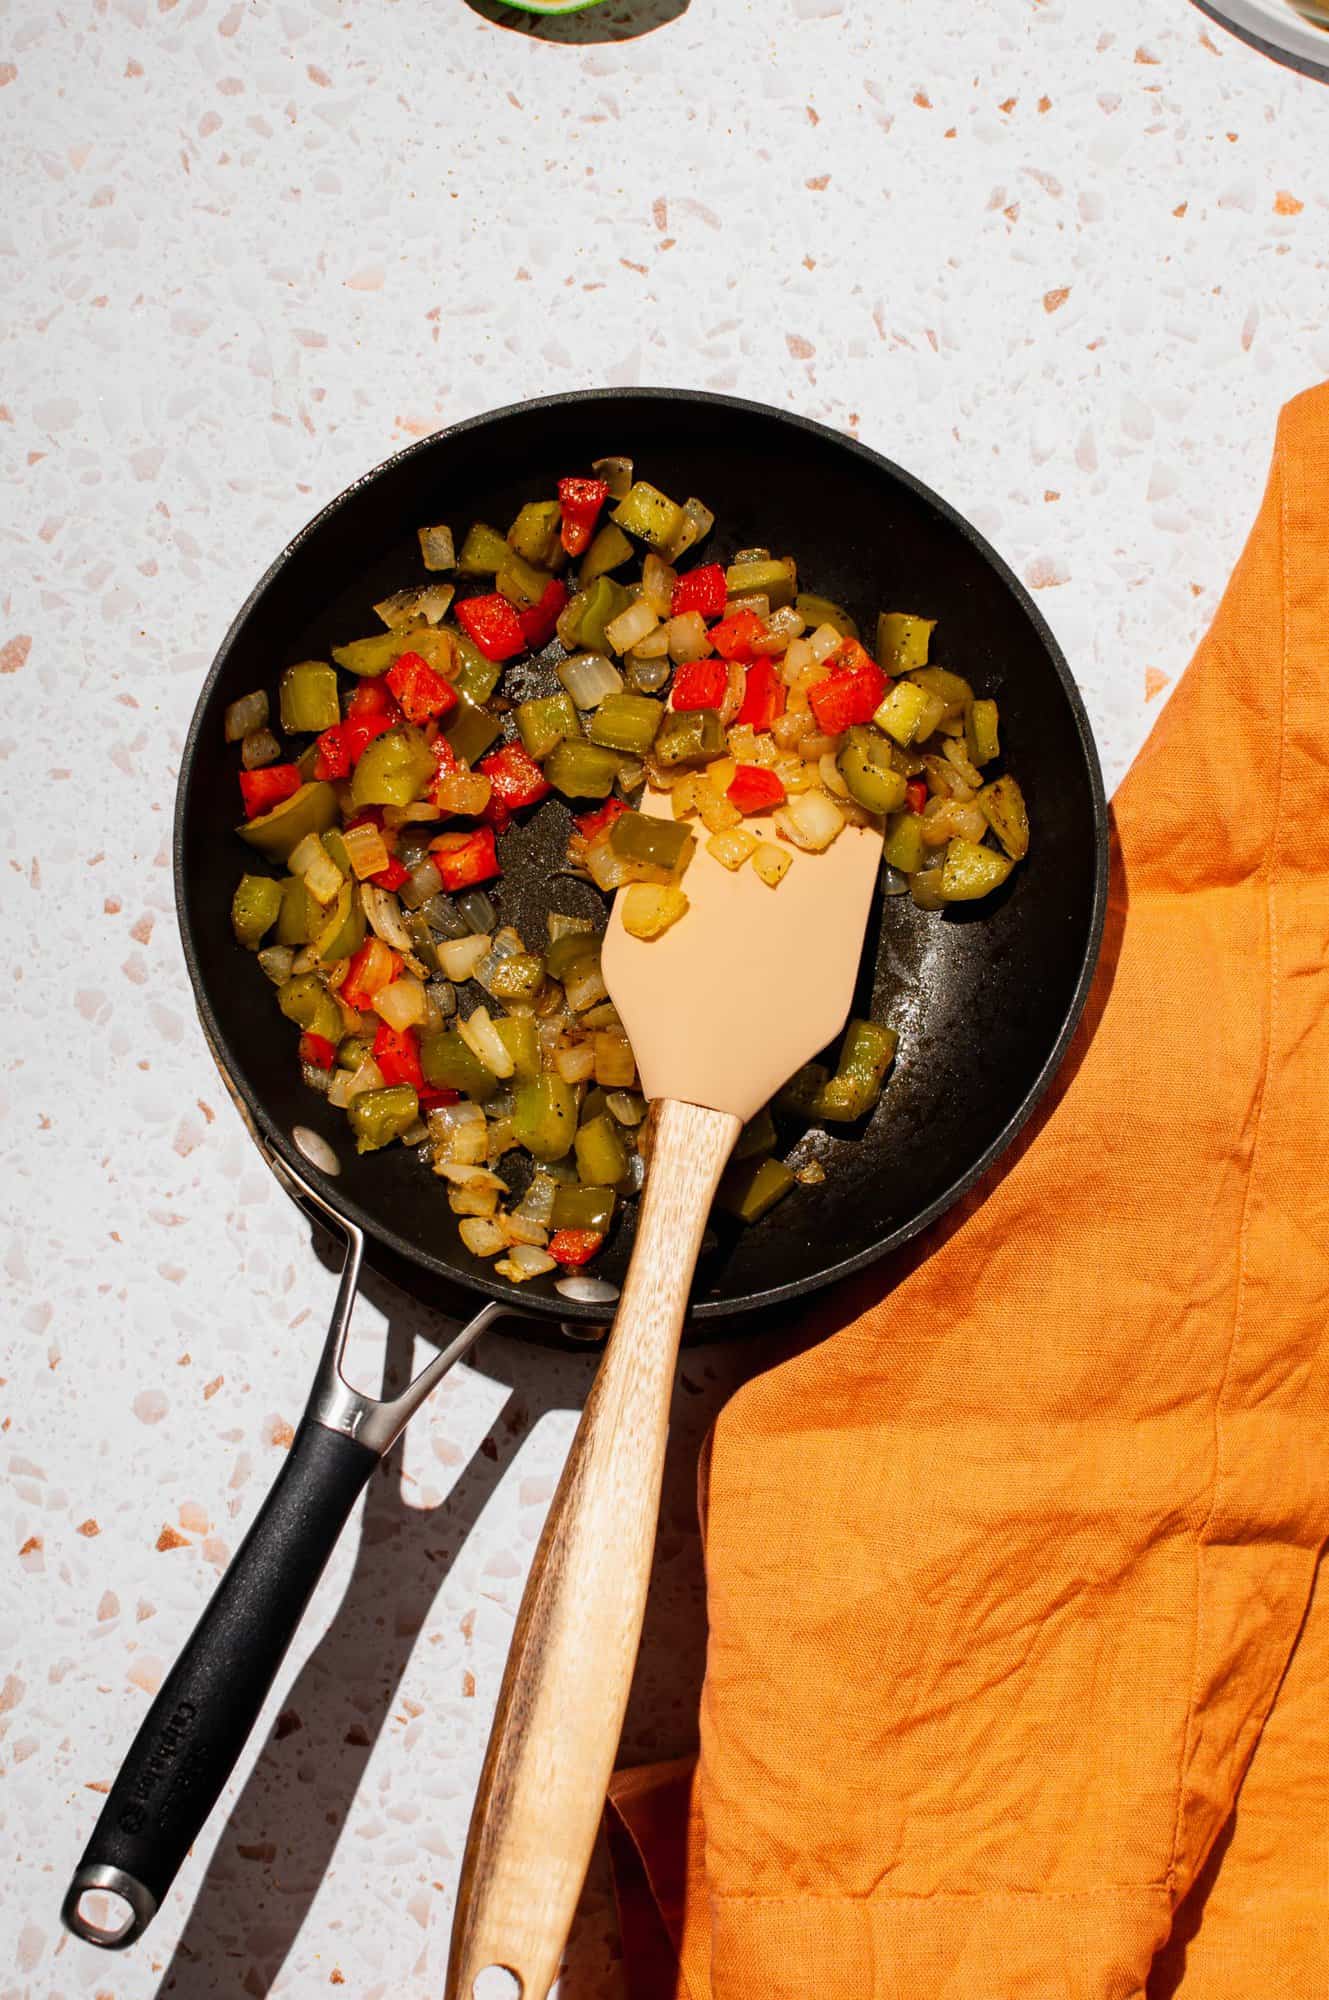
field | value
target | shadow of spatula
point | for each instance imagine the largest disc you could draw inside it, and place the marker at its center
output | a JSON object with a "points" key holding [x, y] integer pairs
{"points": [[721, 1011]]}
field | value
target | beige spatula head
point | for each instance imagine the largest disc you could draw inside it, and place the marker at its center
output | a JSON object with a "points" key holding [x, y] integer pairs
{"points": [[753, 981], [721, 1010]]}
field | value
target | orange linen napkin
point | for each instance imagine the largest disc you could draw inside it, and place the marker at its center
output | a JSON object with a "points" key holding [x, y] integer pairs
{"points": [[1005, 1575]]}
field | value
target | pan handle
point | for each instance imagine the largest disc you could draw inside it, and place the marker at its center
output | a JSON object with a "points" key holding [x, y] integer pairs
{"points": [[200, 1720]]}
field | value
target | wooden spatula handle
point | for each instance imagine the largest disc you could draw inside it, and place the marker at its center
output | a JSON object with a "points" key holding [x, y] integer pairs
{"points": [[560, 1712]]}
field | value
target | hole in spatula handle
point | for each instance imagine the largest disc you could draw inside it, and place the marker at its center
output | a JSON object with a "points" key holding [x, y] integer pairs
{"points": [[497, 1982]]}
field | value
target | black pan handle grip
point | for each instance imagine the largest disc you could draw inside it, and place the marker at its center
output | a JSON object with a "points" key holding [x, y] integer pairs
{"points": [[208, 1704]]}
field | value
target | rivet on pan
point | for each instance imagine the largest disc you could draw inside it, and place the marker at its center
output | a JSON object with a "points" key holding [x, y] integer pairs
{"points": [[587, 1291], [316, 1149]]}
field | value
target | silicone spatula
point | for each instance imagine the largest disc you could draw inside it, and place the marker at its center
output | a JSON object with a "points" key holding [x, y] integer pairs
{"points": [[721, 1010]]}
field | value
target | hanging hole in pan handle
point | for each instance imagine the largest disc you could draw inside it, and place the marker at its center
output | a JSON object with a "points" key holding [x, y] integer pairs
{"points": [[126, 1901], [497, 1982]]}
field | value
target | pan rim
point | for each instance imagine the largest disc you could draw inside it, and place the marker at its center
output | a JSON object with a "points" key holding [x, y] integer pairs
{"points": [[526, 1303]]}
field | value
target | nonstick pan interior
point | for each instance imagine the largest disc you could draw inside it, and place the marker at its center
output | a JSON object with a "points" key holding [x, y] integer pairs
{"points": [[985, 997]]}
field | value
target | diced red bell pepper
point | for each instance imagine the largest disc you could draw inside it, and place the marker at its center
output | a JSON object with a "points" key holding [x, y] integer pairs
{"points": [[397, 1053], [493, 624], [754, 789], [318, 1050], [515, 780], [332, 752], [764, 696], [368, 816], [916, 794], [435, 1094], [539, 622], [465, 859], [370, 711], [581, 501], [732, 638], [701, 590], [591, 823], [575, 1246], [445, 757], [392, 876], [262, 790], [421, 690], [351, 991], [700, 684], [371, 696], [852, 691]]}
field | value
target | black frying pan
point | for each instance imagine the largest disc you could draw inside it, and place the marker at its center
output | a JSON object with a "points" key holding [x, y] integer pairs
{"points": [[986, 997]]}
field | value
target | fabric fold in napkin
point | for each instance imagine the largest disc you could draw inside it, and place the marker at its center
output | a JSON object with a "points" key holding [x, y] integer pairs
{"points": [[1010, 1577]]}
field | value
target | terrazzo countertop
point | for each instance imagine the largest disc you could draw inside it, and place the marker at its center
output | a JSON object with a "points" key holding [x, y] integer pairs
{"points": [[1064, 262]]}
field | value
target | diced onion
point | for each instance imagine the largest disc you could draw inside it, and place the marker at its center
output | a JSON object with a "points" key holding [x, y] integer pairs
{"points": [[463, 1173], [798, 658], [627, 1109], [459, 957], [755, 600], [346, 1084], [482, 1039], [687, 638], [384, 917], [697, 522], [260, 747], [444, 919], [458, 1133], [657, 584], [430, 602], [364, 844], [537, 1204], [518, 1228], [559, 924], [472, 1200], [245, 715], [481, 917], [577, 1064], [585, 985], [631, 625], [436, 547], [735, 689], [811, 821], [825, 641], [647, 674], [276, 961], [785, 625], [589, 677], [482, 1237], [524, 1260], [402, 1004], [463, 792], [316, 868], [893, 883], [606, 1015], [617, 475], [614, 1064], [425, 882], [442, 997], [733, 848], [631, 771], [829, 772]]}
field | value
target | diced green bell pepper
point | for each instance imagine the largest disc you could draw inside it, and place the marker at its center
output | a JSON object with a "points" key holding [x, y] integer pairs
{"points": [[352, 1050], [255, 908], [449, 1065], [865, 765], [534, 533], [483, 552], [297, 909], [570, 950], [521, 582], [608, 549], [866, 1054], [627, 722], [583, 1208], [372, 656], [518, 977], [307, 1002], [925, 888], [393, 769], [902, 641], [1002, 806], [602, 1159], [380, 1116], [752, 1187], [470, 731], [903, 846], [521, 1038], [776, 581], [815, 611], [649, 514], [545, 721], [757, 1136], [971, 871], [660, 843], [336, 850], [476, 677], [693, 737], [800, 1093], [581, 770], [581, 625], [951, 690], [278, 833], [544, 1117], [344, 929], [981, 740], [308, 697], [901, 712]]}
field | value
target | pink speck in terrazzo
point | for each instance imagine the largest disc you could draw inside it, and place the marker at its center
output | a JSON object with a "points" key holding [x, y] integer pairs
{"points": [[1053, 301], [8, 72], [801, 349], [370, 279], [14, 653], [169, 1539], [108, 1607], [150, 1406], [146, 1673]]}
